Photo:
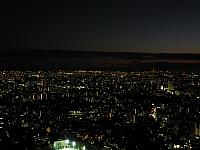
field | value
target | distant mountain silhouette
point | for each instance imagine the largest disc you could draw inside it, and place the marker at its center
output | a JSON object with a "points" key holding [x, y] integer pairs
{"points": [[71, 53], [96, 60]]}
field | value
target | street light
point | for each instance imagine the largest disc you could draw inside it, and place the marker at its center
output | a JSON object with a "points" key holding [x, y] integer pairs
{"points": [[67, 142], [84, 147], [73, 144]]}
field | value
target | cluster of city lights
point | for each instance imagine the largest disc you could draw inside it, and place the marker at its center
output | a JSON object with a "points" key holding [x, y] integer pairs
{"points": [[67, 145]]}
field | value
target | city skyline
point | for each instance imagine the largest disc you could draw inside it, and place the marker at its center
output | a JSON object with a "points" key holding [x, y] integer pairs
{"points": [[96, 110]]}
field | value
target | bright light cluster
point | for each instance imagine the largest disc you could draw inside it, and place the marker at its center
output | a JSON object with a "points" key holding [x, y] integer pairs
{"points": [[67, 145]]}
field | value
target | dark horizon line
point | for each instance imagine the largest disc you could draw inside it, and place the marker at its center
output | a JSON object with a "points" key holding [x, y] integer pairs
{"points": [[97, 51]]}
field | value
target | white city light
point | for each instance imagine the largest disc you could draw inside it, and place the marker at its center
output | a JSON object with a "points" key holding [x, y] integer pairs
{"points": [[73, 143], [67, 141], [84, 148]]}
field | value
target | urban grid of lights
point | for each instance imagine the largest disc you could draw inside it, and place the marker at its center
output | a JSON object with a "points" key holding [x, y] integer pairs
{"points": [[67, 145]]}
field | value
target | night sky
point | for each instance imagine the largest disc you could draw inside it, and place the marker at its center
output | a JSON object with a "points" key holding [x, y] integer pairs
{"points": [[136, 26]]}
